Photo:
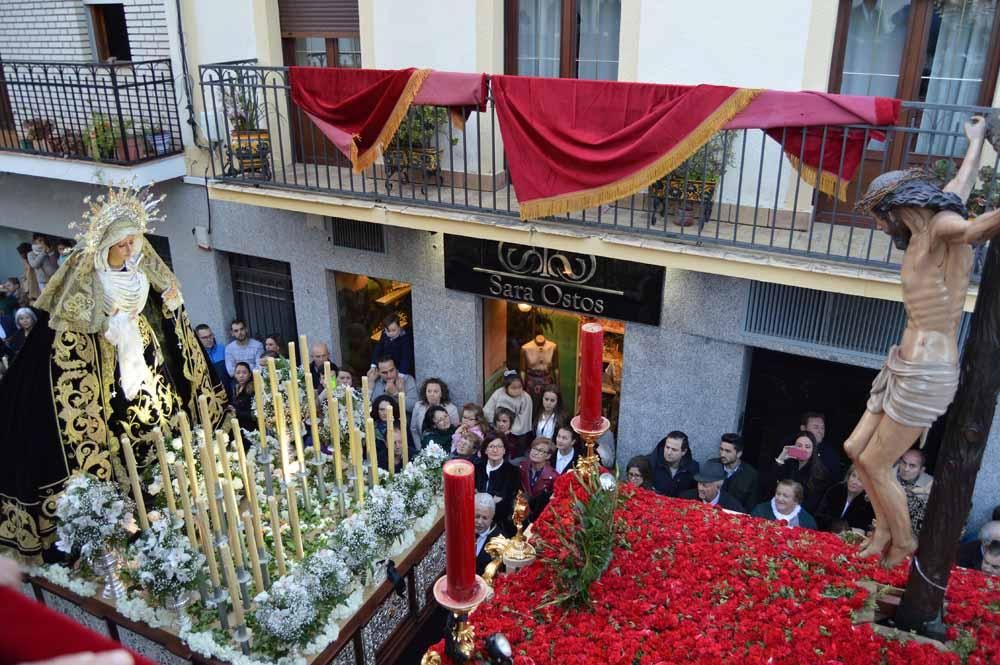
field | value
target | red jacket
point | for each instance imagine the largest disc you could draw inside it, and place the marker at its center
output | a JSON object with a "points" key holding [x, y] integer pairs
{"points": [[543, 485]]}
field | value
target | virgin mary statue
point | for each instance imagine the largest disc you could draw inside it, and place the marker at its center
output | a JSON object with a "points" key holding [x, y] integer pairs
{"points": [[113, 355]]}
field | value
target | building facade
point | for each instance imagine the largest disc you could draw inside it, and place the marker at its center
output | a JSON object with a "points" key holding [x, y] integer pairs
{"points": [[769, 301]]}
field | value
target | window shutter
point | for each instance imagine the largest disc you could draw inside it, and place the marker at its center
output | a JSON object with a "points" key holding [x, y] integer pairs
{"points": [[329, 18]]}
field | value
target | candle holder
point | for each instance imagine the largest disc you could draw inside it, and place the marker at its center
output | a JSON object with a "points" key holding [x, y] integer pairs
{"points": [[460, 635], [265, 558], [303, 478], [243, 577], [106, 565], [220, 535], [221, 607], [590, 464], [317, 463], [242, 637], [513, 553], [266, 458]]}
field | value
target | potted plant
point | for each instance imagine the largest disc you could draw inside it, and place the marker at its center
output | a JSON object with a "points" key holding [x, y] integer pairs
{"points": [[37, 133], [985, 196], [69, 144], [159, 141], [250, 145], [690, 188], [101, 137], [131, 147], [414, 148]]}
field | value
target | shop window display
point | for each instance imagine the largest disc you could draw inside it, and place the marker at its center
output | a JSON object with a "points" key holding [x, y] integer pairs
{"points": [[542, 345], [363, 302]]}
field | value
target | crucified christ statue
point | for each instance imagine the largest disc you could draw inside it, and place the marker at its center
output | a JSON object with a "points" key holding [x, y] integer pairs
{"points": [[920, 375]]}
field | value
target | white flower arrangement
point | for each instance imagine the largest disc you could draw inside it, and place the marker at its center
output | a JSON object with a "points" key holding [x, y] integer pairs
{"points": [[59, 575], [385, 511], [340, 394], [167, 565], [356, 540], [91, 516], [429, 461], [415, 488], [287, 611], [326, 575]]}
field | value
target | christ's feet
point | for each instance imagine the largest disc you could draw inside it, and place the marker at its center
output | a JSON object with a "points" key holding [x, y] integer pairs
{"points": [[898, 552]]}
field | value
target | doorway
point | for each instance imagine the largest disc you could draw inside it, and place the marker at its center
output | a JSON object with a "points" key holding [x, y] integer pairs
{"points": [[783, 386]]}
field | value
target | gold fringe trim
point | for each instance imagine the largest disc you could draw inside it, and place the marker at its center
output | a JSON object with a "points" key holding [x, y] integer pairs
{"points": [[368, 157], [647, 175], [829, 183]]}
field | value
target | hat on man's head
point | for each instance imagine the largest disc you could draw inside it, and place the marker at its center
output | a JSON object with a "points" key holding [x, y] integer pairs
{"points": [[710, 472]]}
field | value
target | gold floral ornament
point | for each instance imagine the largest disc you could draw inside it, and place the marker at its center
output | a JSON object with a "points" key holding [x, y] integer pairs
{"points": [[130, 209], [73, 297]]}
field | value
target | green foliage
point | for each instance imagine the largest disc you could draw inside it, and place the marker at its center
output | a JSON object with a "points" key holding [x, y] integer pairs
{"points": [[585, 542], [708, 163], [241, 104], [420, 127], [103, 136], [984, 197]]}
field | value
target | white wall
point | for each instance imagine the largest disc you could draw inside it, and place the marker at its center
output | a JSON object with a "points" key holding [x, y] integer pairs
{"points": [[759, 44], [218, 30], [439, 34]]}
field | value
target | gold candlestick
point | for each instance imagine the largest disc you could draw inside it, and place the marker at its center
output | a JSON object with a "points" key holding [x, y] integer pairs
{"points": [[404, 433], [258, 397], [370, 446], [182, 489], [359, 472], [279, 545], [206, 421], [390, 445], [192, 471], [211, 477], [313, 422], [232, 584], [249, 475], [293, 519], [366, 397], [133, 474], [304, 353], [168, 485], [222, 442], [206, 540], [279, 409], [333, 413], [233, 522], [293, 404], [250, 529]]}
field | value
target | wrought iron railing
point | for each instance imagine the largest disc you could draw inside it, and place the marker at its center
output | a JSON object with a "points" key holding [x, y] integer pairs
{"points": [[738, 191], [122, 113]]}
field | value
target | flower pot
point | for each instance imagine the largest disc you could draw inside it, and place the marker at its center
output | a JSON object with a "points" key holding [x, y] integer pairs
{"points": [[130, 149], [689, 199], [250, 149], [161, 143]]}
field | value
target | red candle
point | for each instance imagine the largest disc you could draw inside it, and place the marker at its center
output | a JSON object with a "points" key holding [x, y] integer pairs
{"points": [[591, 357], [460, 529]]}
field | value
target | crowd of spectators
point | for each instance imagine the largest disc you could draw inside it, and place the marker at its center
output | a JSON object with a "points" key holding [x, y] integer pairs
{"points": [[40, 260]]}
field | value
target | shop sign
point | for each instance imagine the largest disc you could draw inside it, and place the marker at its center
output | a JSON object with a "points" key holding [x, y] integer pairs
{"points": [[581, 283]]}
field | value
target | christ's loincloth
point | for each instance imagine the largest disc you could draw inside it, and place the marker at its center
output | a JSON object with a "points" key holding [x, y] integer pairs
{"points": [[913, 393]]}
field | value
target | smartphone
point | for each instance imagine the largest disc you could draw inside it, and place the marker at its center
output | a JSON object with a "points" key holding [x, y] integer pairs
{"points": [[796, 453]]}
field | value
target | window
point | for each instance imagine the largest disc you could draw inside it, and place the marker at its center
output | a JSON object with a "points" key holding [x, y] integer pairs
{"points": [[942, 52], [566, 38], [327, 52], [355, 234], [110, 32]]}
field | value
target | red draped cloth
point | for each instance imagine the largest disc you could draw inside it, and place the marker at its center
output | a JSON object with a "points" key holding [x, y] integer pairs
{"points": [[572, 144], [359, 110], [826, 155], [29, 631]]}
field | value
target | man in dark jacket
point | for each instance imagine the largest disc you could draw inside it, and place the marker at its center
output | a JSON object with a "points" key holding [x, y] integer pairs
{"points": [[486, 529], [710, 478], [741, 478], [672, 465]]}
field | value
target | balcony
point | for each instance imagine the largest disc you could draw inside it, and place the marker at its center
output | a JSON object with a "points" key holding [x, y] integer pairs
{"points": [[97, 123], [752, 206]]}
